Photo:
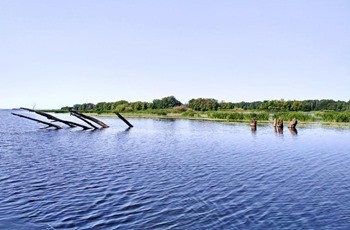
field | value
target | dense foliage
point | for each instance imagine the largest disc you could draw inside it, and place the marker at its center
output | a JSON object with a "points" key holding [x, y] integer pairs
{"points": [[210, 104], [125, 106], [203, 104], [165, 103], [307, 105], [335, 117], [327, 110]]}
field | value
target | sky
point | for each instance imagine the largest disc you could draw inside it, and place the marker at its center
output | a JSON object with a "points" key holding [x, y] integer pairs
{"points": [[59, 53]]}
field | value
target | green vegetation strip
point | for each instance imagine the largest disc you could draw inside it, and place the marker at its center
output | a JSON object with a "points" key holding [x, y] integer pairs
{"points": [[208, 108]]}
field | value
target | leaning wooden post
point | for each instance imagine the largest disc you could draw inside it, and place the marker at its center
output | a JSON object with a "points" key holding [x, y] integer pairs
{"points": [[39, 121], [103, 125], [123, 119], [83, 119], [50, 117]]}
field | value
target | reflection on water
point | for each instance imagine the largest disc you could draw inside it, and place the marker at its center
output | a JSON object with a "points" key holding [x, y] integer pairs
{"points": [[253, 128], [293, 131], [173, 174], [278, 130]]}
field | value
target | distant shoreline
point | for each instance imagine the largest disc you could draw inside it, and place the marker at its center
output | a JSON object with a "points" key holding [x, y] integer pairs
{"points": [[179, 117], [204, 117]]}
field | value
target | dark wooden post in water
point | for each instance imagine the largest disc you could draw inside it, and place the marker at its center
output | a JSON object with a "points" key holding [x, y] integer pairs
{"points": [[39, 121], [278, 122], [292, 127], [253, 123], [293, 123], [278, 125], [103, 125], [123, 119], [53, 118], [83, 119]]}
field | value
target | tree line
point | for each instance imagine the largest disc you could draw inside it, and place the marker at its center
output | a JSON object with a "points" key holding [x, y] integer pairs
{"points": [[125, 106], [210, 104]]}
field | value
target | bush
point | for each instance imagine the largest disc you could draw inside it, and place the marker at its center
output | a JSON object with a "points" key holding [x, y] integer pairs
{"points": [[343, 117], [166, 102], [234, 116], [123, 108], [203, 104], [288, 116], [227, 116], [159, 112], [335, 116], [190, 113], [218, 115], [179, 109], [263, 116]]}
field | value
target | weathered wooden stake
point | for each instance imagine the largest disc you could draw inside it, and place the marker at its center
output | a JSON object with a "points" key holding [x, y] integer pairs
{"points": [[253, 122], [90, 118], [293, 123], [50, 117], [39, 121], [123, 119], [83, 119], [278, 122]]}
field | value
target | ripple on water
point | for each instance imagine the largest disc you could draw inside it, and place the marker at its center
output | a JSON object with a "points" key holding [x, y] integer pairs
{"points": [[174, 174]]}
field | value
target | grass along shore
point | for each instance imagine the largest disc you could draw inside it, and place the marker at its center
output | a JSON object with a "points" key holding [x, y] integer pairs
{"points": [[325, 117]]}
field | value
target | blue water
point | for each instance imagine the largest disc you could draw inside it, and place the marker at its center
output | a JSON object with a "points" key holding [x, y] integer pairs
{"points": [[172, 174]]}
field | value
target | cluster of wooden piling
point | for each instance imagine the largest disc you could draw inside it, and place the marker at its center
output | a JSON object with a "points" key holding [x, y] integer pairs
{"points": [[93, 123], [277, 124]]}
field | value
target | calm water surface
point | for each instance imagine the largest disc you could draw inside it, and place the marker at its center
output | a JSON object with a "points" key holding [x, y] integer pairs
{"points": [[166, 174]]}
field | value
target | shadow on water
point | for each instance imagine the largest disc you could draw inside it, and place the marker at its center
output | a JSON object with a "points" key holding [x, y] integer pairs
{"points": [[127, 130], [95, 130]]}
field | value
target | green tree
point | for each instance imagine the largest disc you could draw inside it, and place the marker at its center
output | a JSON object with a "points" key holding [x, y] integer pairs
{"points": [[165, 103], [203, 104]]}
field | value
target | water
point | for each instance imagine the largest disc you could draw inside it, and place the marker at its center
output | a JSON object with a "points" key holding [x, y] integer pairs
{"points": [[174, 174]]}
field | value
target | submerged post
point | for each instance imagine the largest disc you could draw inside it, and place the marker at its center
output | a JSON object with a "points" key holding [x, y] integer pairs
{"points": [[123, 119]]}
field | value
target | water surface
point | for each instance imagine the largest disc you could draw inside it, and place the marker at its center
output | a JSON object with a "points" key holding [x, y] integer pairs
{"points": [[175, 174]]}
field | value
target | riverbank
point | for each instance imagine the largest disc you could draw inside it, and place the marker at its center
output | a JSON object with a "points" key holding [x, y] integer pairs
{"points": [[206, 118], [211, 116]]}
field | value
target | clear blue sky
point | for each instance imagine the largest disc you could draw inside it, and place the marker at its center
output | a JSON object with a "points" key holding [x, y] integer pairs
{"points": [[57, 53]]}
